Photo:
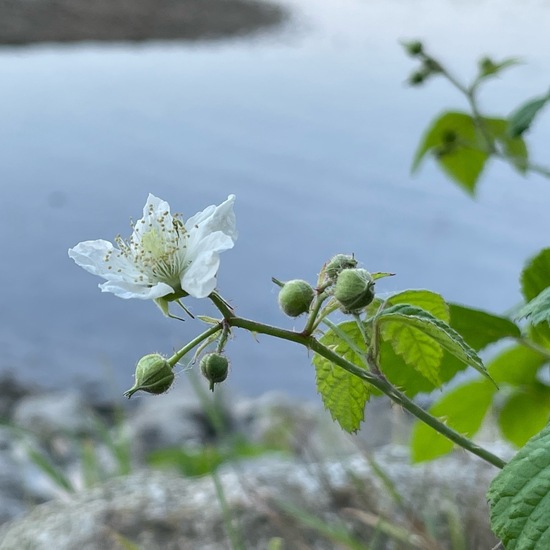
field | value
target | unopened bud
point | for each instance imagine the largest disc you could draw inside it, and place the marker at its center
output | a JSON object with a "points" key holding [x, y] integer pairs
{"points": [[338, 263], [413, 48], [354, 289], [295, 297], [417, 78], [487, 66], [214, 367], [153, 375]]}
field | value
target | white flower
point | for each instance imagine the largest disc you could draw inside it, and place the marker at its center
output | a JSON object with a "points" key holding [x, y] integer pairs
{"points": [[163, 256]]}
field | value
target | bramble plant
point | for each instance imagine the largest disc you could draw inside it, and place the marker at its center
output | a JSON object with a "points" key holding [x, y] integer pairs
{"points": [[463, 142], [397, 345]]}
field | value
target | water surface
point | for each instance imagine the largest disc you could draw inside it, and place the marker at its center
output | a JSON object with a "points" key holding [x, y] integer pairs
{"points": [[312, 128]]}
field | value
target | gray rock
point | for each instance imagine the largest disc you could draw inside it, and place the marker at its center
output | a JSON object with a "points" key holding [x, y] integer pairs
{"points": [[264, 497], [303, 428], [11, 487], [170, 420], [51, 414], [11, 390]]}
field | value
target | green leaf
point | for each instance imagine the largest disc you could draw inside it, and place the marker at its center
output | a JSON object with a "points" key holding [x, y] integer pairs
{"points": [[190, 462], [516, 366], [463, 408], [343, 394], [426, 299], [480, 328], [487, 67], [393, 365], [409, 380], [518, 497], [208, 320], [416, 348], [513, 146], [525, 413], [535, 276], [454, 138], [381, 274], [538, 309], [53, 472], [522, 118], [441, 333]]}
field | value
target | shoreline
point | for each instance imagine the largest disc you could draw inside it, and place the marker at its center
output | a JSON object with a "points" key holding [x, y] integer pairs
{"points": [[146, 472], [61, 21]]}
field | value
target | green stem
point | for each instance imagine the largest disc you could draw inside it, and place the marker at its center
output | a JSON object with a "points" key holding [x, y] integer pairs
{"points": [[311, 320], [479, 121], [223, 338], [172, 361], [470, 93], [222, 305], [375, 380]]}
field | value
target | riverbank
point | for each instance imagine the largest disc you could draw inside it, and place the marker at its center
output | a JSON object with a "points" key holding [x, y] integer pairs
{"points": [[75, 473], [25, 21]]}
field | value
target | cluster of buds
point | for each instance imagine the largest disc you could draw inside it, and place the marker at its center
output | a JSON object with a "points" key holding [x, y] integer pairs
{"points": [[351, 286], [429, 66], [155, 375]]}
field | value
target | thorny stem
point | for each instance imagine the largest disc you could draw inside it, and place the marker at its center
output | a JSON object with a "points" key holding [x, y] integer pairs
{"points": [[320, 297], [470, 92], [172, 361], [374, 378], [223, 338], [222, 305]]}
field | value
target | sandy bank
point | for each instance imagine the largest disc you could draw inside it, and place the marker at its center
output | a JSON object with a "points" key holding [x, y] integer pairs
{"points": [[29, 21]]}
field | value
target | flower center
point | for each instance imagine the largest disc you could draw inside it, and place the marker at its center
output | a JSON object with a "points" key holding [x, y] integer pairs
{"points": [[158, 253]]}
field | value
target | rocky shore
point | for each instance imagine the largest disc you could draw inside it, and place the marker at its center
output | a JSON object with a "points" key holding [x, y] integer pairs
{"points": [[29, 21], [77, 474]]}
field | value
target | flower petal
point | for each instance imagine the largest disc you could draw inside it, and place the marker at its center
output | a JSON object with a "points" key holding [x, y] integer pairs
{"points": [[159, 255], [214, 218], [199, 279], [154, 211], [91, 255], [142, 292]]}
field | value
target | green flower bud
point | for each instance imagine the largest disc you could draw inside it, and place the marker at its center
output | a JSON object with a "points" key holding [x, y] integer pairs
{"points": [[487, 66], [417, 78], [153, 375], [338, 263], [413, 48], [214, 367], [354, 289], [295, 297]]}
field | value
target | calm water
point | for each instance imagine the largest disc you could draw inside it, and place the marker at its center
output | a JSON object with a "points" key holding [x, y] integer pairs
{"points": [[311, 127]]}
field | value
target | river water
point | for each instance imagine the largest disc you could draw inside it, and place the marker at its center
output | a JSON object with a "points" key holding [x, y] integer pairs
{"points": [[312, 127]]}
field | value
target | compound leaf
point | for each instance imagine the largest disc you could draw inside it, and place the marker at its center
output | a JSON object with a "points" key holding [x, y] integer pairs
{"points": [[518, 497], [439, 331], [343, 394]]}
